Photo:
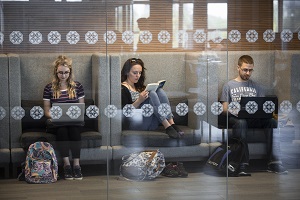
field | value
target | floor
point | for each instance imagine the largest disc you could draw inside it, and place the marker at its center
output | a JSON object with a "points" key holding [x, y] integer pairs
{"points": [[200, 184]]}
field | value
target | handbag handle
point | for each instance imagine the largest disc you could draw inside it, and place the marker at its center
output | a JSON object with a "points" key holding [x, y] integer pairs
{"points": [[154, 152]]}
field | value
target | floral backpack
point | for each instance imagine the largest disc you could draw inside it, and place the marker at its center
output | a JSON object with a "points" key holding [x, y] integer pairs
{"points": [[41, 163]]}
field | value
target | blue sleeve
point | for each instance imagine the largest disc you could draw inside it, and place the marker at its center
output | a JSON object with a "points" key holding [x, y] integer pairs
{"points": [[260, 90]]}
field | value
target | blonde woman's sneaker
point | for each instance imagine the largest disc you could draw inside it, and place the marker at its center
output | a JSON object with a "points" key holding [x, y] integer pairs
{"points": [[77, 173], [68, 175], [277, 168]]}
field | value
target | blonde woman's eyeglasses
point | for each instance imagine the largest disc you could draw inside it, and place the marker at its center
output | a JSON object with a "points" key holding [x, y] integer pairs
{"points": [[63, 73]]}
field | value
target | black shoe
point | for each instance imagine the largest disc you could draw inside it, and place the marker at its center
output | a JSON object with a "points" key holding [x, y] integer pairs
{"points": [[172, 132], [181, 170], [77, 173], [179, 131], [277, 168], [170, 171], [68, 172], [244, 170]]}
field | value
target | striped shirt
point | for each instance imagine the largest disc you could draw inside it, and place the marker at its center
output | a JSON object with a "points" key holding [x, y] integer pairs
{"points": [[64, 97]]}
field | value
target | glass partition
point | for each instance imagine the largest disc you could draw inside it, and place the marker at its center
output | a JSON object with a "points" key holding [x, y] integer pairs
{"points": [[120, 47], [34, 76]]}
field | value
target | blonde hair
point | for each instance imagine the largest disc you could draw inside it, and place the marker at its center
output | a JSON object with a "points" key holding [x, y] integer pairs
{"points": [[67, 62]]}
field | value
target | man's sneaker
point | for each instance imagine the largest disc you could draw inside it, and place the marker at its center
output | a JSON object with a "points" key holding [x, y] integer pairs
{"points": [[68, 172], [170, 171], [77, 173], [277, 168], [244, 170], [181, 170]]}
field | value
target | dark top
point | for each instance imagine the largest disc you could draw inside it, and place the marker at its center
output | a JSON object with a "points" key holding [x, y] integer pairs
{"points": [[126, 96], [126, 99]]}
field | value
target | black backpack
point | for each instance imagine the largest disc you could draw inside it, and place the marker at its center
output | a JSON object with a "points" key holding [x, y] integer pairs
{"points": [[235, 151]]}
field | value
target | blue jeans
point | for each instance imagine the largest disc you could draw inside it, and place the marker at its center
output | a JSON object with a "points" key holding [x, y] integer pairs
{"points": [[240, 127], [155, 99]]}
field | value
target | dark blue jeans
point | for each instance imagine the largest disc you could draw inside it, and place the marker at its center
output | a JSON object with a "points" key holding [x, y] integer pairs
{"points": [[156, 98], [240, 127]]}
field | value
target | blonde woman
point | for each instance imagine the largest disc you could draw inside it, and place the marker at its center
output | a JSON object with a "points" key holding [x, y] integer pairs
{"points": [[64, 89]]}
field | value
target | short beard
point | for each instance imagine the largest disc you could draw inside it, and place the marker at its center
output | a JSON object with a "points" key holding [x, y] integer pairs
{"points": [[245, 78]]}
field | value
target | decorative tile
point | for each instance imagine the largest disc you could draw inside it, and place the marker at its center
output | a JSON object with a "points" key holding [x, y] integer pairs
{"points": [[2, 113], [182, 109], [286, 106], [17, 112], [73, 37], [217, 38], [55, 112], [128, 110], [164, 37], [91, 37], [1, 38], [145, 37], [251, 36], [110, 37], [128, 37], [16, 37], [54, 37], [269, 107], [164, 109], [269, 35], [35, 37], [216, 108], [234, 36], [36, 112], [251, 107], [199, 36], [182, 36], [74, 112], [92, 111], [110, 111], [147, 110], [234, 107], [286, 35], [199, 108]]}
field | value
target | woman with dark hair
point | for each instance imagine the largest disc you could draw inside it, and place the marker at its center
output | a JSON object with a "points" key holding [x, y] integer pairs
{"points": [[133, 92], [64, 89]]}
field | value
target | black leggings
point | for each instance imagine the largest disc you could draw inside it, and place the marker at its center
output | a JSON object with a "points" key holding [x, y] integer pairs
{"points": [[69, 138]]}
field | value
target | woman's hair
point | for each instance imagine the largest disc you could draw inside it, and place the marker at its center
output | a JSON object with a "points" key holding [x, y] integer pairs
{"points": [[67, 62], [245, 59], [126, 69]]}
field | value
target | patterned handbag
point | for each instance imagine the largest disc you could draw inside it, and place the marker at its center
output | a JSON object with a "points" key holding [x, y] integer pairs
{"points": [[144, 165]]}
